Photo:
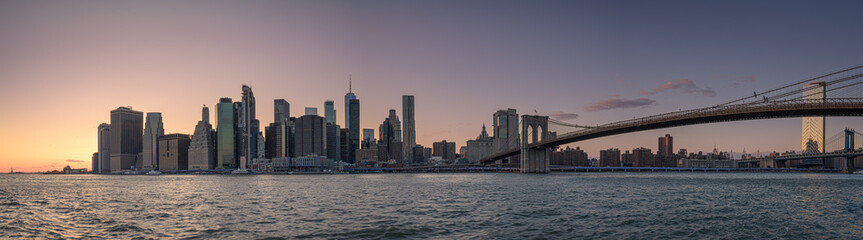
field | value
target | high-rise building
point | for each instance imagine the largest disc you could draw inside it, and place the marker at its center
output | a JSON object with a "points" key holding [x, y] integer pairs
{"points": [[813, 127], [311, 111], [344, 143], [642, 157], [330, 112], [153, 130], [408, 127], [609, 158], [354, 128], [226, 130], [333, 145], [104, 142], [387, 140], [95, 161], [505, 124], [444, 149], [281, 110], [666, 146], [369, 138], [569, 157], [202, 149], [311, 136], [479, 148], [174, 152], [250, 127], [278, 140], [397, 125], [126, 137]]}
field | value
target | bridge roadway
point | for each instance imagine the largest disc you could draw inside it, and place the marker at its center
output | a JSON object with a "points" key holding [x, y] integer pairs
{"points": [[720, 113]]}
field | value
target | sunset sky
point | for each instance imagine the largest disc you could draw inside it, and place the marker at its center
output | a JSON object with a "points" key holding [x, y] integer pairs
{"points": [[65, 64]]}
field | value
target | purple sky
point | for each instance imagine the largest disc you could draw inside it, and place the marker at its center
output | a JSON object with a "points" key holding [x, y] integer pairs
{"points": [[64, 65]]}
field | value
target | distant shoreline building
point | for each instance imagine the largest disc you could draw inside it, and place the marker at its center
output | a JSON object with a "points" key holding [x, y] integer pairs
{"points": [[153, 130], [202, 149], [126, 137]]}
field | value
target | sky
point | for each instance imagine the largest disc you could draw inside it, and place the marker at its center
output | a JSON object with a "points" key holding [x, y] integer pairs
{"points": [[64, 65]]}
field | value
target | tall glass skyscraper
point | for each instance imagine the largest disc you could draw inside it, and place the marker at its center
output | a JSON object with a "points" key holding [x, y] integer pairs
{"points": [[408, 128], [281, 110], [226, 125], [354, 129], [250, 127], [104, 142], [330, 112], [153, 130]]}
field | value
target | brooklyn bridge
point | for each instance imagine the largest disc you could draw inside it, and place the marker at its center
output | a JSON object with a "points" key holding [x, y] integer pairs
{"points": [[834, 94]]}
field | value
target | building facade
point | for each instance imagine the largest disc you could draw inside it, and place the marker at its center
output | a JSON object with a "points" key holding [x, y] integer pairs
{"points": [[104, 146], [480, 147], [609, 158], [505, 127], [408, 127], [330, 112], [153, 130], [310, 136], [666, 146], [281, 110], [226, 129], [174, 152], [813, 127], [126, 137], [202, 149], [444, 149]]}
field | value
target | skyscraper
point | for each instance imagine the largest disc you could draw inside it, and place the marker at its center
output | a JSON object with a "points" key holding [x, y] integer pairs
{"points": [[333, 145], [444, 149], [202, 149], [281, 110], [311, 111], [126, 136], [153, 130], [408, 127], [369, 138], [354, 128], [505, 124], [397, 125], [666, 146], [226, 129], [813, 127], [330, 112], [310, 136], [104, 142], [174, 152], [250, 127]]}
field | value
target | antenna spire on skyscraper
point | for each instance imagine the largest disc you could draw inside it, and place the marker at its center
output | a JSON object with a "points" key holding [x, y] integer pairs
{"points": [[350, 84]]}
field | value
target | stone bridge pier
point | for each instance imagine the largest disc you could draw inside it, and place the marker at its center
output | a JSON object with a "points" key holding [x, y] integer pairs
{"points": [[534, 129]]}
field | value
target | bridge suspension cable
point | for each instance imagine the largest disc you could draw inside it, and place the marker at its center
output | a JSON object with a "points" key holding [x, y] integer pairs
{"points": [[782, 93], [566, 124]]}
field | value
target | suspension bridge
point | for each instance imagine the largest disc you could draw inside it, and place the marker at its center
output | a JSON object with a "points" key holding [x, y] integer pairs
{"points": [[834, 94]]}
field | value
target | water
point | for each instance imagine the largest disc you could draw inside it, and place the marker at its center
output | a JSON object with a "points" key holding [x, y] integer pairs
{"points": [[448, 206]]}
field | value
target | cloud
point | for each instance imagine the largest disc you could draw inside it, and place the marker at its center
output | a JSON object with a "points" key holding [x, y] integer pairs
{"points": [[73, 160], [563, 115], [617, 103], [739, 82], [688, 86]]}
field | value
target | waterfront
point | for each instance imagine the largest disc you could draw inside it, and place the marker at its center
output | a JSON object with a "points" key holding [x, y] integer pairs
{"points": [[458, 205]]}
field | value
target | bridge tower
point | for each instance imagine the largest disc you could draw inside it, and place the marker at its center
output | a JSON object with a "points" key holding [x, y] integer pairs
{"points": [[534, 129], [849, 147]]}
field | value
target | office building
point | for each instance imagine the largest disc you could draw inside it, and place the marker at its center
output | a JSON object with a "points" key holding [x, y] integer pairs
{"points": [[569, 157], [126, 137], [174, 152], [369, 139], [813, 126], [609, 158], [249, 126], [278, 140], [444, 149], [104, 146], [311, 136], [153, 130], [311, 111], [344, 142], [396, 124], [482, 146], [226, 130], [281, 110], [354, 127], [408, 127], [333, 146], [666, 146], [202, 149], [330, 112], [506, 136]]}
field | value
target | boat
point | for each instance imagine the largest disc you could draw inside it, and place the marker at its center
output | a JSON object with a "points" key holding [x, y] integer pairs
{"points": [[154, 172]]}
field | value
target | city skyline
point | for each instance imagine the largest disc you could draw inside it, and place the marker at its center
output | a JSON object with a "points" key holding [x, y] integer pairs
{"points": [[461, 77]]}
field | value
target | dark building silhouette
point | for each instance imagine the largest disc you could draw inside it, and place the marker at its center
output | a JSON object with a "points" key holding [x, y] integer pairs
{"points": [[127, 129], [174, 152]]}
